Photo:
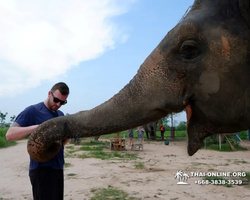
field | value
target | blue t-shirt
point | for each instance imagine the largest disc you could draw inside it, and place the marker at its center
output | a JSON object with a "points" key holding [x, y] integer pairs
{"points": [[35, 115]]}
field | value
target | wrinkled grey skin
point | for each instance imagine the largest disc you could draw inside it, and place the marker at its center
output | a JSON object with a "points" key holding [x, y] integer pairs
{"points": [[150, 130], [202, 64]]}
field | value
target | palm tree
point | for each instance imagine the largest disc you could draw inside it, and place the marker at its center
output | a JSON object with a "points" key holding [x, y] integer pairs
{"points": [[179, 175], [185, 177]]}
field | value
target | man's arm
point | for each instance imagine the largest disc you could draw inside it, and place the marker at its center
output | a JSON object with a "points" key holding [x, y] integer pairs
{"points": [[16, 132]]}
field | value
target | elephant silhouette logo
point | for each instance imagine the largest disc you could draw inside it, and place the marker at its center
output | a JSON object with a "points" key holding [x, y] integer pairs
{"points": [[182, 177]]}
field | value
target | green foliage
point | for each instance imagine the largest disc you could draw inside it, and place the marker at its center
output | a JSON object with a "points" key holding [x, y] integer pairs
{"points": [[3, 118], [212, 142], [182, 126], [83, 148], [243, 135], [67, 164], [112, 135], [248, 176], [95, 150], [178, 134], [139, 165], [3, 142], [71, 174], [12, 118], [164, 121], [93, 146], [107, 155]]}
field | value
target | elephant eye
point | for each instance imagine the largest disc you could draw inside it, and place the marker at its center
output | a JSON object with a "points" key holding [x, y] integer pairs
{"points": [[189, 49]]}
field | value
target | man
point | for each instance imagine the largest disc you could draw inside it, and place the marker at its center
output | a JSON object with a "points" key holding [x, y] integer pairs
{"points": [[162, 129], [46, 177]]}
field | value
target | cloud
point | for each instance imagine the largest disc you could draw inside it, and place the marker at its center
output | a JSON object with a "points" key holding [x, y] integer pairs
{"points": [[43, 39]]}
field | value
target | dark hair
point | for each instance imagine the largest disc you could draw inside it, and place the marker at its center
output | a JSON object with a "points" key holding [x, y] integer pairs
{"points": [[62, 87]]}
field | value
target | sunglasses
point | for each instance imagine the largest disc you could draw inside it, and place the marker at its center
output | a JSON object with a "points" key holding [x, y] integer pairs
{"points": [[56, 100]]}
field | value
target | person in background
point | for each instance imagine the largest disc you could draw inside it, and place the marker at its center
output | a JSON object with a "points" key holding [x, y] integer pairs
{"points": [[76, 141], [162, 129], [130, 136], [140, 131], [46, 178]]}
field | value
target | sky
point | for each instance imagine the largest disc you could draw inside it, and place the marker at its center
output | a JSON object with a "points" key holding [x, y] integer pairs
{"points": [[96, 47]]}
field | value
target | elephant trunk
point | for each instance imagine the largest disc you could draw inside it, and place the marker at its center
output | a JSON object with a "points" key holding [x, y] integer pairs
{"points": [[136, 104]]}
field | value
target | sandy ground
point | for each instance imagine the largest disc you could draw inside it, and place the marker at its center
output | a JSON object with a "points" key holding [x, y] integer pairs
{"points": [[156, 181]]}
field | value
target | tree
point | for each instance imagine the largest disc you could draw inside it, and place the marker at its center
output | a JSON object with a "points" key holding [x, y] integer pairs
{"points": [[182, 126], [12, 118], [2, 118], [164, 121]]}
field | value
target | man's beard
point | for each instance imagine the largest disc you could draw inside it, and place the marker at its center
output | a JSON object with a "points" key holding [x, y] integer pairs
{"points": [[52, 106]]}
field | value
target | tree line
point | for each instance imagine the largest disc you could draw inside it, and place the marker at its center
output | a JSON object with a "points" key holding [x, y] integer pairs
{"points": [[182, 126]]}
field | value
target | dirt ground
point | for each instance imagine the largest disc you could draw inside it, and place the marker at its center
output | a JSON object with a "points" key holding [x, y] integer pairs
{"points": [[156, 181]]}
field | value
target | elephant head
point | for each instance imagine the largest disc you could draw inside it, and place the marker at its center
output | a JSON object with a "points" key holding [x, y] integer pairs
{"points": [[202, 65]]}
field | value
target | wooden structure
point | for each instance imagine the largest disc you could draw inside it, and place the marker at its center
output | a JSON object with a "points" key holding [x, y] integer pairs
{"points": [[117, 143]]}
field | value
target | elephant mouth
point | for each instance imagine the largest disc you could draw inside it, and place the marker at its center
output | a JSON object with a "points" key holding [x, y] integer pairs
{"points": [[193, 143], [188, 113], [196, 128]]}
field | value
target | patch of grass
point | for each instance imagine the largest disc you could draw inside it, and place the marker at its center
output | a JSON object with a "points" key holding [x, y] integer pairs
{"points": [[240, 162], [71, 174], [112, 135], [107, 155], [83, 148], [247, 176], [69, 147], [67, 164], [139, 165], [246, 179], [111, 193], [212, 143], [211, 169], [93, 146], [3, 142], [72, 151], [226, 147], [93, 143], [197, 163]]}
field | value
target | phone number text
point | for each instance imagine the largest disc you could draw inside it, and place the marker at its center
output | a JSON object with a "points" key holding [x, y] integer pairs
{"points": [[219, 182]]}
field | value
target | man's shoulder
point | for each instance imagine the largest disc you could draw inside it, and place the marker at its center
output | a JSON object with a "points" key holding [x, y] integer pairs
{"points": [[32, 107], [60, 113], [35, 106]]}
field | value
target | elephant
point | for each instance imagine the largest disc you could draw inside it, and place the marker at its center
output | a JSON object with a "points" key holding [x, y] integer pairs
{"points": [[203, 67], [151, 129]]}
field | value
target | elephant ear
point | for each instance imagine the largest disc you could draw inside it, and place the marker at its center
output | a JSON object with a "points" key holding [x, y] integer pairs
{"points": [[244, 6]]}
